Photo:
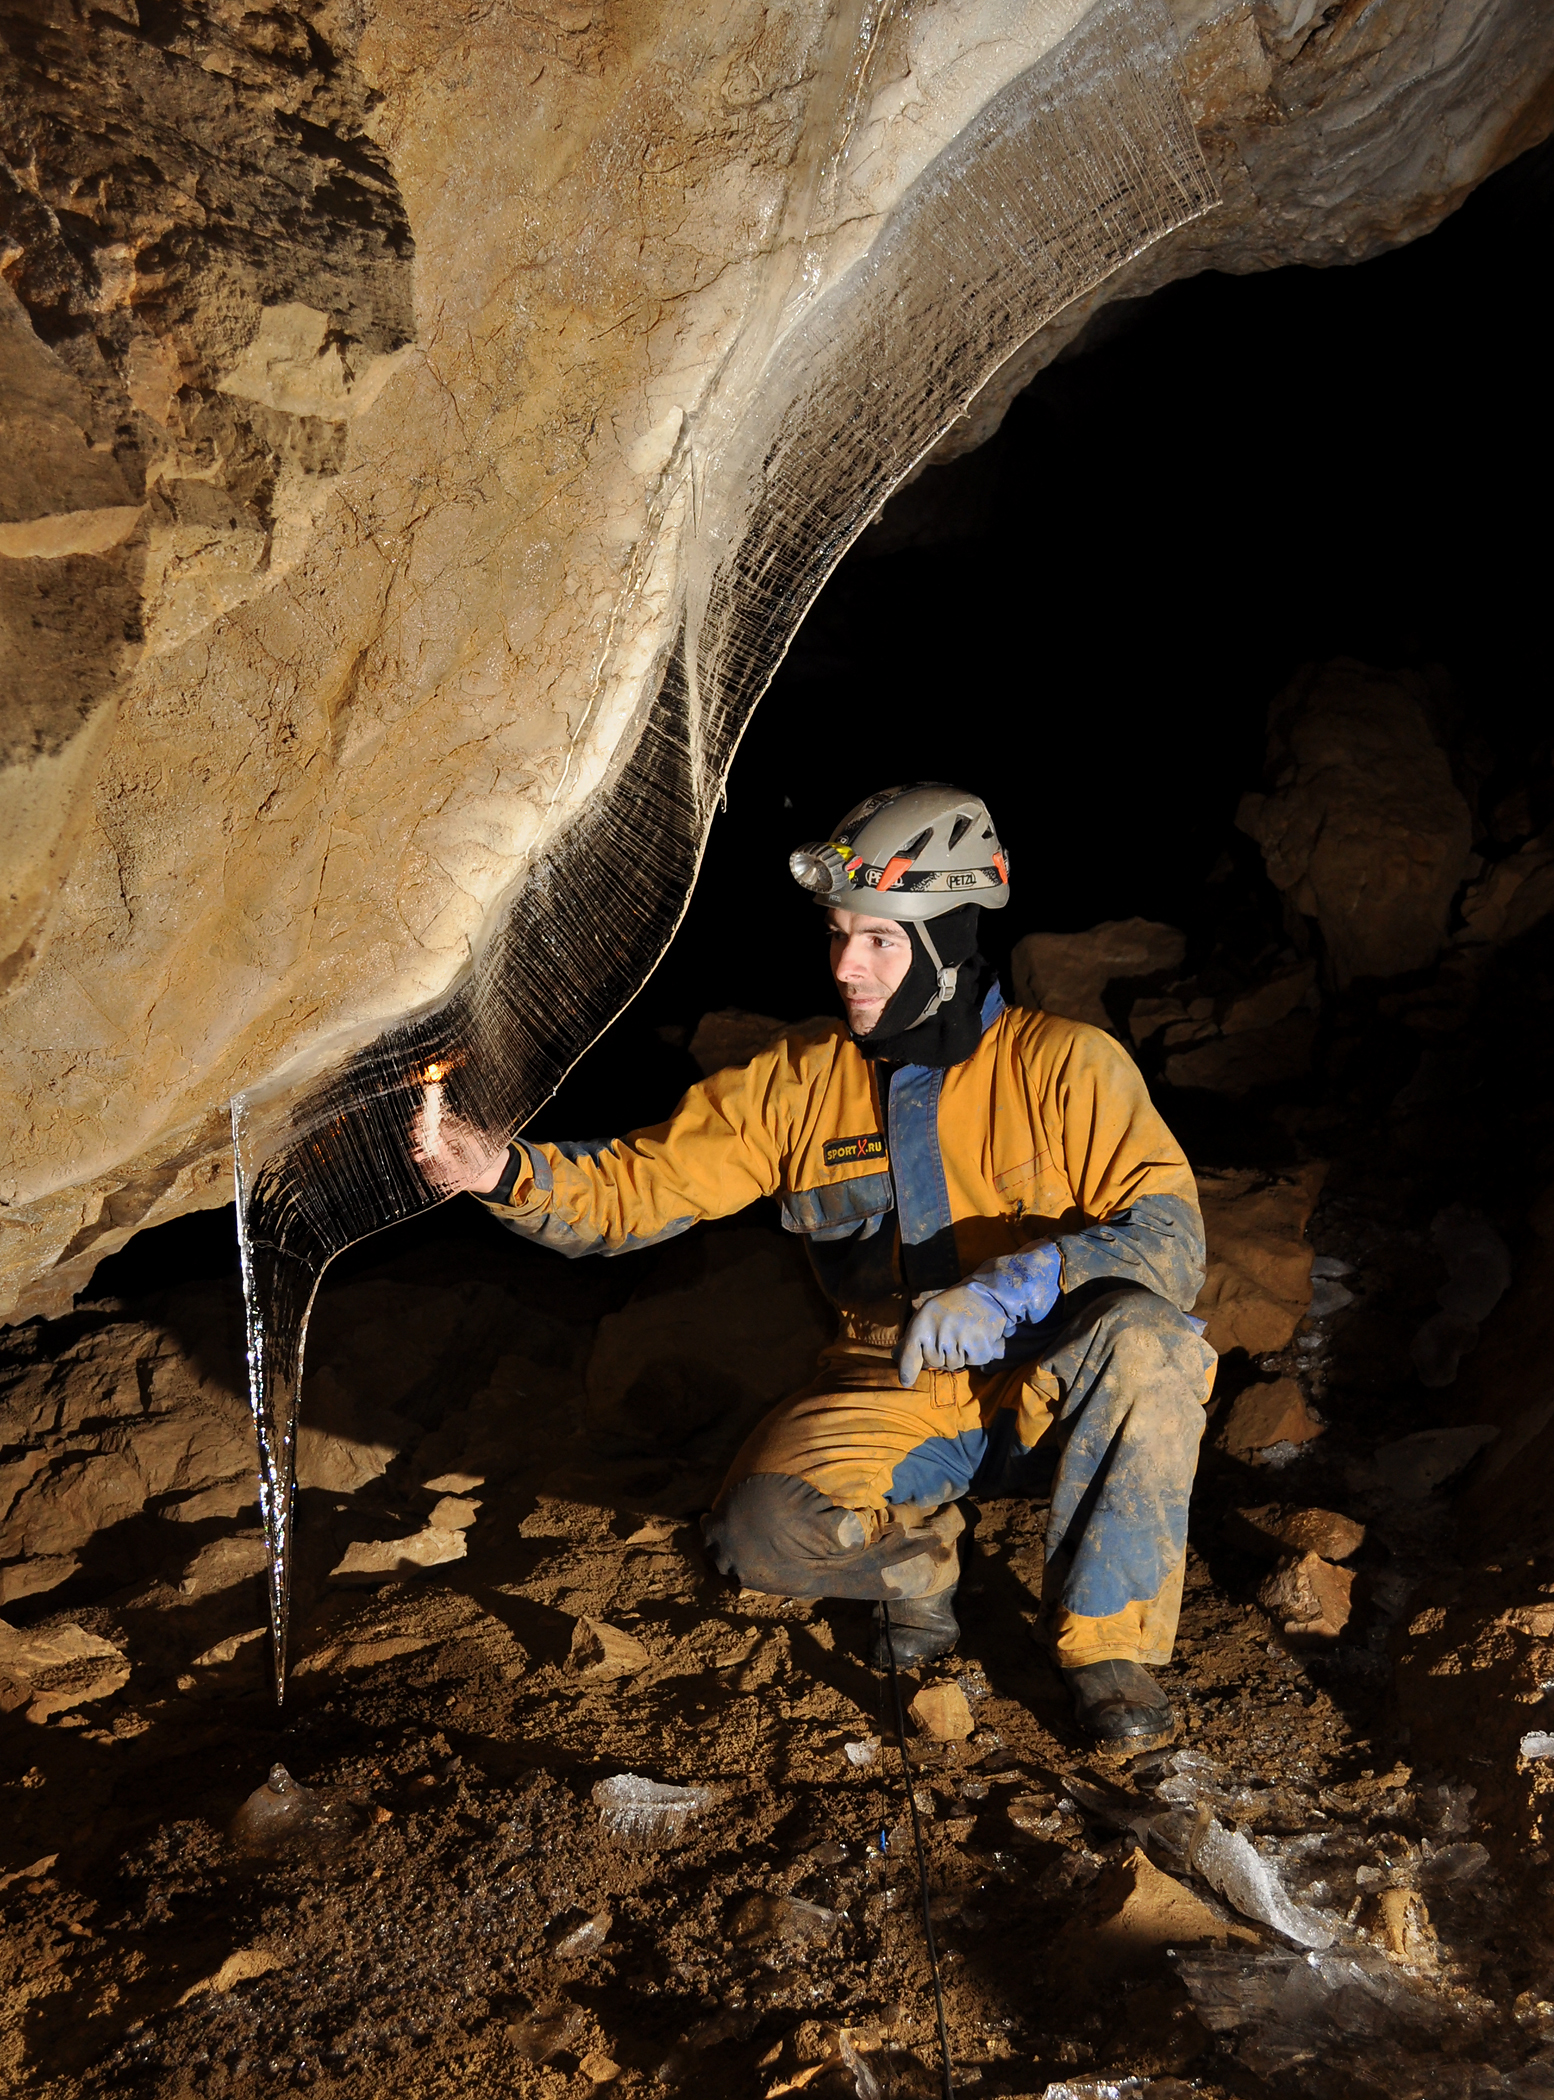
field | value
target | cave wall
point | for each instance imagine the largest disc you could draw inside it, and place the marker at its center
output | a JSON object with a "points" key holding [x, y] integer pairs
{"points": [[348, 356]]}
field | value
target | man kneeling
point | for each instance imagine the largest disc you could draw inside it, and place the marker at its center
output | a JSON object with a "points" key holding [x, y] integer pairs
{"points": [[1010, 1236]]}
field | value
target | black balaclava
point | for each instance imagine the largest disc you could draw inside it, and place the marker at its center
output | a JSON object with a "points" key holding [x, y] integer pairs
{"points": [[949, 1036]]}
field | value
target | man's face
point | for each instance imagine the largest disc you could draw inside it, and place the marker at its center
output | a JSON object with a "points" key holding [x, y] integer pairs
{"points": [[869, 958]]}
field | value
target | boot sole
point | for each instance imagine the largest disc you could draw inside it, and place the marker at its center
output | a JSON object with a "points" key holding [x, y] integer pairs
{"points": [[1126, 1746]]}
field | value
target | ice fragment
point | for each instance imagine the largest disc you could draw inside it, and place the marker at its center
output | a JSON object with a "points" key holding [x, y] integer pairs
{"points": [[865, 2084], [647, 1815], [586, 1938], [283, 1818], [1230, 1863], [1537, 1743]]}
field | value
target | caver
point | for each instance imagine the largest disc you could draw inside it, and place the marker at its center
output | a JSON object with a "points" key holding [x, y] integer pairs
{"points": [[1010, 1236]]}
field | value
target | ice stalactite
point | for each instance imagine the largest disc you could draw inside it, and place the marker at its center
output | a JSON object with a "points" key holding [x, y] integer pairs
{"points": [[833, 394]]}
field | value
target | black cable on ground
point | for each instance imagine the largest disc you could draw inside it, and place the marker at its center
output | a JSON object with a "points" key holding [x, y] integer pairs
{"points": [[922, 1861]]}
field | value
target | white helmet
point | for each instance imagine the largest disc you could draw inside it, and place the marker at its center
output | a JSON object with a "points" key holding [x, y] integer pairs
{"points": [[909, 853]]}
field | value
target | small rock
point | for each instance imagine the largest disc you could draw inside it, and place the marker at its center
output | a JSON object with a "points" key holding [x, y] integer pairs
{"points": [[380, 1560], [1537, 1744], [1276, 1530], [230, 1663], [29, 1578], [1146, 1017], [1236, 1064], [1134, 1911], [1310, 1596], [1271, 1002], [1264, 1415], [1402, 1923], [942, 1711], [453, 1513], [1416, 1464], [35, 1872], [223, 1564], [51, 1669], [239, 1967], [599, 2068], [602, 1652], [454, 1483], [1066, 973], [228, 1498], [865, 1752]]}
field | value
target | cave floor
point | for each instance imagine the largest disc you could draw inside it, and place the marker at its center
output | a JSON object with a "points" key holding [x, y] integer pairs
{"points": [[424, 1942], [439, 1909]]}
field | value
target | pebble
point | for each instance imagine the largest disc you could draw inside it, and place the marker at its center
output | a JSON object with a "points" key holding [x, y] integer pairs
{"points": [[942, 1711]]}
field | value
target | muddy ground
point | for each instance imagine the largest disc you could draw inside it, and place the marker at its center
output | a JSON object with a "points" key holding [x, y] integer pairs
{"points": [[433, 1906]]}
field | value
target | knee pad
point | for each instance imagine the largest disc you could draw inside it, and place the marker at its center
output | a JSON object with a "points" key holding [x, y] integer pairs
{"points": [[776, 1533]]}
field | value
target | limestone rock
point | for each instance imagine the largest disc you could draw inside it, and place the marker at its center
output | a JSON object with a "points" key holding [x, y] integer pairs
{"points": [[1511, 895], [223, 1564], [310, 719], [602, 1652], [1276, 1530], [1268, 1415], [453, 1513], [1236, 1063], [1309, 1596], [55, 1667], [1258, 1284], [1134, 1911], [104, 1416], [944, 1712], [1266, 90], [380, 1560], [240, 1966], [1478, 1273], [1365, 830], [1066, 973], [1416, 1464], [236, 1664], [1402, 1922], [1259, 1037]]}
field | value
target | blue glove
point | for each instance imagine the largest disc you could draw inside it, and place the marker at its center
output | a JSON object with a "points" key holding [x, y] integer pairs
{"points": [[970, 1323]]}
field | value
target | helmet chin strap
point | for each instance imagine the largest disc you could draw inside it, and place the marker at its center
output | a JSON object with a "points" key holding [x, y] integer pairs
{"points": [[949, 975]]}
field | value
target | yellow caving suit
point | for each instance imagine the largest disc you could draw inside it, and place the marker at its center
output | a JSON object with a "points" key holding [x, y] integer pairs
{"points": [[904, 1180]]}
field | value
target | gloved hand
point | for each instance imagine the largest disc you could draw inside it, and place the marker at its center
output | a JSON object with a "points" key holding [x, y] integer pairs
{"points": [[970, 1323]]}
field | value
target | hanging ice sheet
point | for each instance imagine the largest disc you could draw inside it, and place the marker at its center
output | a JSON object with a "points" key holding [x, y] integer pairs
{"points": [[1076, 165]]}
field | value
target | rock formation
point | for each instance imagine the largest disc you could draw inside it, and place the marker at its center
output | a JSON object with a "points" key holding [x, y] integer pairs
{"points": [[355, 364], [1364, 830]]}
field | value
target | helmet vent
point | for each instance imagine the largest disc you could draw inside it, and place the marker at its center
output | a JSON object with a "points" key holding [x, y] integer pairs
{"points": [[958, 831], [913, 847]]}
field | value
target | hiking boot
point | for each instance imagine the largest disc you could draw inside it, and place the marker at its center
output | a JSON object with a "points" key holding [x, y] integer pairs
{"points": [[1121, 1705], [921, 1630]]}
